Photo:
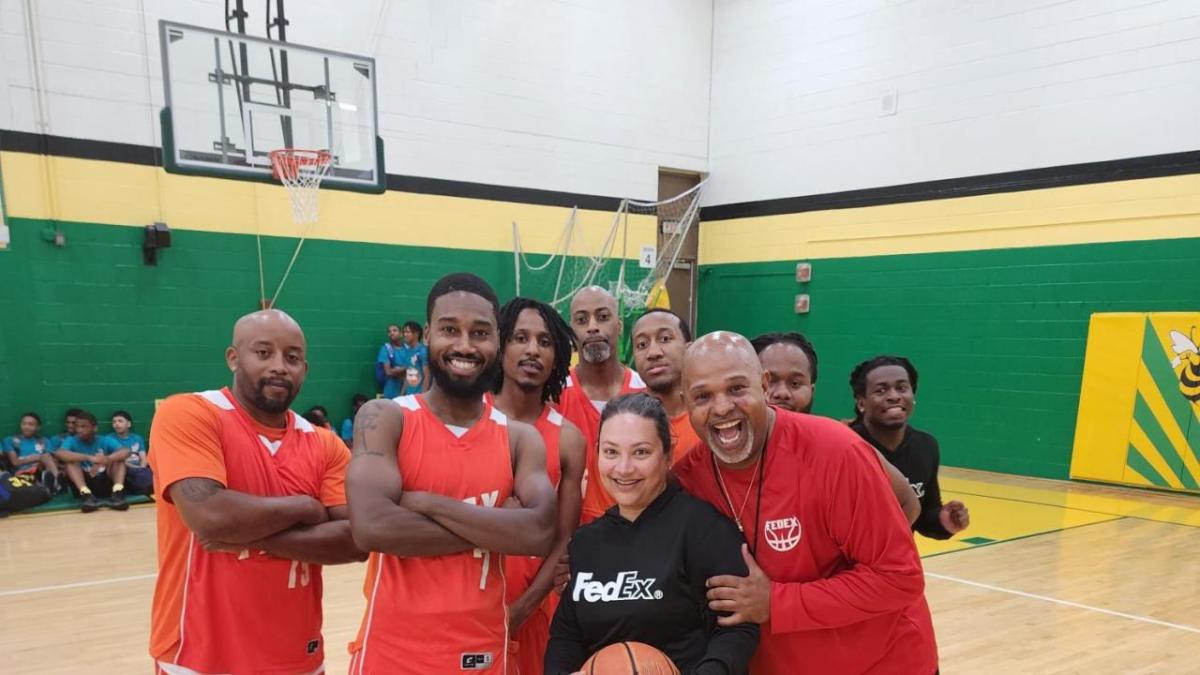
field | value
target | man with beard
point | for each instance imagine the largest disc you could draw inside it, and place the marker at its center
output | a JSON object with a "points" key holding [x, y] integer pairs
{"points": [[660, 338], [251, 504], [789, 361], [429, 475], [535, 360], [597, 379], [835, 580], [885, 389]]}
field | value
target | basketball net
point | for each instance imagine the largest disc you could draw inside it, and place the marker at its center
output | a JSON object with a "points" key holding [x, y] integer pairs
{"points": [[301, 172], [574, 265]]}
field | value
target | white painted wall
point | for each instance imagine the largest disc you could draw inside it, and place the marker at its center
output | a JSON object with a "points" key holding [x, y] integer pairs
{"points": [[593, 96], [983, 86], [569, 95]]}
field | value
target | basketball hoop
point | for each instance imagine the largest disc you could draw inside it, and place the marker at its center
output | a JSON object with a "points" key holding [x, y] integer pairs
{"points": [[301, 172]]}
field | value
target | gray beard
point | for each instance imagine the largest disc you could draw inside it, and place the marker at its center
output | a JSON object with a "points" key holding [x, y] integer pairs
{"points": [[596, 352]]}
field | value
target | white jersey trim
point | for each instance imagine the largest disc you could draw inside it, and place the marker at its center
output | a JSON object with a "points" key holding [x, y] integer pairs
{"points": [[217, 398], [303, 424], [408, 402], [555, 418], [362, 651], [499, 417], [187, 580]]}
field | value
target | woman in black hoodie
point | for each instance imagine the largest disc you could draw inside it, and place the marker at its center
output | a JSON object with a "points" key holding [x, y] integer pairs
{"points": [[638, 572]]}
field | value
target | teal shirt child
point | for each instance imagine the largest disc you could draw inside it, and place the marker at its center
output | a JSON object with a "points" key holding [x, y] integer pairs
{"points": [[136, 445]]}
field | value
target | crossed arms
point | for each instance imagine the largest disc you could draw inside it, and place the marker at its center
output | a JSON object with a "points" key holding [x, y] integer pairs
{"points": [[386, 518]]}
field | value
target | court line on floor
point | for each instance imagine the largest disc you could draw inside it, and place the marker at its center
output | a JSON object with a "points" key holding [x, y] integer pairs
{"points": [[1023, 536], [1067, 603], [80, 584], [1075, 508]]}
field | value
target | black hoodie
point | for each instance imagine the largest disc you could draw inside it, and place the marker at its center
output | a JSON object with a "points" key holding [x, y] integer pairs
{"points": [[644, 581]]}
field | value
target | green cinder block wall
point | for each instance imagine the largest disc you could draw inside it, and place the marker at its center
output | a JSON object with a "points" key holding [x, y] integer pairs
{"points": [[998, 336], [89, 325]]}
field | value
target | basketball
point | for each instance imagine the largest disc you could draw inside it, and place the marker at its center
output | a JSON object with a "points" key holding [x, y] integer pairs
{"points": [[629, 658]]}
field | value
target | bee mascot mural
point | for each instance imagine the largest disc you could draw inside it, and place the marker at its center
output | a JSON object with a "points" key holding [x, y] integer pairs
{"points": [[1188, 356]]}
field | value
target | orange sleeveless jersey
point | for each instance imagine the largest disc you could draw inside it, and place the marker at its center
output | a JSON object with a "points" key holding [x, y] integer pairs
{"points": [[585, 414], [443, 614], [528, 646], [221, 612], [683, 437]]}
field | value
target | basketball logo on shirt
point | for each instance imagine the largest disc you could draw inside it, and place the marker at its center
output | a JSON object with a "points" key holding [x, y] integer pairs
{"points": [[782, 534]]}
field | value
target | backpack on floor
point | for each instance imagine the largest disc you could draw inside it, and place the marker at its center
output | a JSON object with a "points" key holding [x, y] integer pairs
{"points": [[18, 493]]}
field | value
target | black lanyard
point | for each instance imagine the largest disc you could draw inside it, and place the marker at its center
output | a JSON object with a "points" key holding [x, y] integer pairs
{"points": [[762, 478]]}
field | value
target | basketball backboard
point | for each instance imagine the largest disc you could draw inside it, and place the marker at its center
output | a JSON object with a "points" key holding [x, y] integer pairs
{"points": [[231, 99]]}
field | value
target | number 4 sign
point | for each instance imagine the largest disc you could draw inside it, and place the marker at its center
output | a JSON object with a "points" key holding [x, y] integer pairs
{"points": [[648, 257]]}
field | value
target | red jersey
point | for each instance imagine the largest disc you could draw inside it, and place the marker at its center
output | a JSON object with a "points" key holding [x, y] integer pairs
{"points": [[440, 614], [223, 612], [529, 644], [585, 414], [847, 591]]}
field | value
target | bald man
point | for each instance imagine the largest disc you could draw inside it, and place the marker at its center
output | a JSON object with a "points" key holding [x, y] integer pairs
{"points": [[251, 505], [835, 580], [597, 379]]}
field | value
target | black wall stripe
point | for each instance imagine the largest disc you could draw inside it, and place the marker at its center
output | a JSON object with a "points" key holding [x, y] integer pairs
{"points": [[1152, 166], [80, 148]]}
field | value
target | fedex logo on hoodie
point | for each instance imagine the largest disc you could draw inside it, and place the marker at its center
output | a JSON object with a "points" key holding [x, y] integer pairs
{"points": [[627, 586]]}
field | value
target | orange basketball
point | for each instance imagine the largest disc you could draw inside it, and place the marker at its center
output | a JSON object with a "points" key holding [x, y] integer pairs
{"points": [[629, 658]]}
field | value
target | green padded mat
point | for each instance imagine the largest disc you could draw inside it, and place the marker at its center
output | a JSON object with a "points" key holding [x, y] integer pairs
{"points": [[65, 501]]}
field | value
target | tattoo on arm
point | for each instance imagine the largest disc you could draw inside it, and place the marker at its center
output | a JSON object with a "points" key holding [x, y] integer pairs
{"points": [[196, 490], [366, 421]]}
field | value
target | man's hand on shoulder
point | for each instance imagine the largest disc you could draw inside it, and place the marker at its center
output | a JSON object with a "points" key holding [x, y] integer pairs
{"points": [[744, 599]]}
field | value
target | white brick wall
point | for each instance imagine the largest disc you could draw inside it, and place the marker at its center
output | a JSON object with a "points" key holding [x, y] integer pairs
{"points": [[587, 97], [592, 97], [984, 86]]}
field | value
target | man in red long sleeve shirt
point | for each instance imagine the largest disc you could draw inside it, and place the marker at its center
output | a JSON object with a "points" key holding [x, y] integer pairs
{"points": [[835, 579]]}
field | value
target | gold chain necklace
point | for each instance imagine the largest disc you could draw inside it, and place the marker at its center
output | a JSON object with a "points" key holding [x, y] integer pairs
{"points": [[737, 517]]}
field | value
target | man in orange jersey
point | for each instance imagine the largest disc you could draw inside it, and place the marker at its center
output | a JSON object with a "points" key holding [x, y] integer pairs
{"points": [[251, 505], [660, 338], [426, 485], [536, 356], [598, 378]]}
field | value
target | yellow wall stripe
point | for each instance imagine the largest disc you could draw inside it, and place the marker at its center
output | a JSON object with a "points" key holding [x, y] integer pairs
{"points": [[1158, 407], [1152, 208], [1110, 372], [1132, 476], [1141, 442], [117, 193]]}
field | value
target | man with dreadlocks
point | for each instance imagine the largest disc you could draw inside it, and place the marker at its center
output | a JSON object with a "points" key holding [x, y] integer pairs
{"points": [[885, 390], [535, 359]]}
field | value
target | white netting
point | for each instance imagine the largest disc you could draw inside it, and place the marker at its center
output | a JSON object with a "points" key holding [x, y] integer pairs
{"points": [[575, 264], [301, 172]]}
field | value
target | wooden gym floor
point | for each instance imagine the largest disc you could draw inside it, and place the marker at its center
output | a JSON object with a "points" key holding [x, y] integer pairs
{"points": [[1052, 577]]}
